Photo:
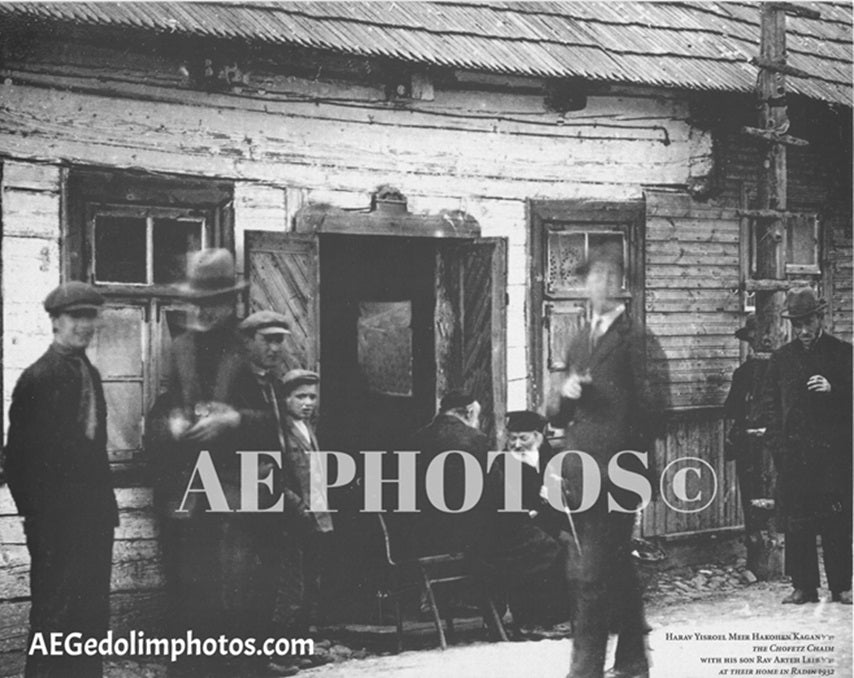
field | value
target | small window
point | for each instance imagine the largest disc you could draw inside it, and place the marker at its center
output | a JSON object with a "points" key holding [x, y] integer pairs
{"points": [[802, 245], [568, 248], [145, 247]]}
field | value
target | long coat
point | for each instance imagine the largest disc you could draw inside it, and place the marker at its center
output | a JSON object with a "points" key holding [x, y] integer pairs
{"points": [[436, 531], [809, 434]]}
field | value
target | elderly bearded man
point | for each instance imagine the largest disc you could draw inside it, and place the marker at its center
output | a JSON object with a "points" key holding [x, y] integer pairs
{"points": [[807, 404], [59, 475]]}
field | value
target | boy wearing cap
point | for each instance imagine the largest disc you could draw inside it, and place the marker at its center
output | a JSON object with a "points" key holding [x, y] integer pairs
{"points": [[807, 403], [59, 475]]}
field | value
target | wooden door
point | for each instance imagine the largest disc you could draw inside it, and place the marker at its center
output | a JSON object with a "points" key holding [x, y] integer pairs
{"points": [[284, 277], [471, 325]]}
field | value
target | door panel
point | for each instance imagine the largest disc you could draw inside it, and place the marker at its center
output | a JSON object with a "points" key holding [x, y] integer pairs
{"points": [[470, 325], [284, 276]]}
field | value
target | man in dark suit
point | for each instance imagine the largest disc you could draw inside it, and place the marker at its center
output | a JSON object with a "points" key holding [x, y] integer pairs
{"points": [[455, 427], [807, 406], [59, 475], [606, 407]]}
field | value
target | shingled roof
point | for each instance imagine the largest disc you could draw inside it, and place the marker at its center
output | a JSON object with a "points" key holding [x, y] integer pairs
{"points": [[691, 45]]}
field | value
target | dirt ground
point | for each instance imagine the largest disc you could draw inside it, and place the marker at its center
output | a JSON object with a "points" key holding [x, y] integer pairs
{"points": [[754, 609]]}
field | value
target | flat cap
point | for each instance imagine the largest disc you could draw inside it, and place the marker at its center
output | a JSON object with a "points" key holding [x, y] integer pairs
{"points": [[296, 378], [266, 322], [73, 296], [525, 420]]}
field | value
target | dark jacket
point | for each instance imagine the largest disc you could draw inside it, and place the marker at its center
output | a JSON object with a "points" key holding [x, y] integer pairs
{"points": [[619, 410], [51, 466], [742, 406], [435, 531], [809, 434], [207, 367], [297, 472]]}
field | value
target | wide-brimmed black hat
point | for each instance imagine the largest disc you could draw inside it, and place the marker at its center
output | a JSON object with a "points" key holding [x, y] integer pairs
{"points": [[750, 325], [210, 273], [802, 302]]}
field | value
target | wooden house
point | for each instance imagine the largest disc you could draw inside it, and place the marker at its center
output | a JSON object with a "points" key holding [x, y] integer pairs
{"points": [[423, 172]]}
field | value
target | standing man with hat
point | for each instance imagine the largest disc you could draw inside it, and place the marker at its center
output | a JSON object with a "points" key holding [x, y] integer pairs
{"points": [[206, 410], [745, 443], [808, 405], [59, 475]]}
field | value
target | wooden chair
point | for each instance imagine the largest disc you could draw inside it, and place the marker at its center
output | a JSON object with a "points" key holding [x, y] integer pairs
{"points": [[422, 574]]}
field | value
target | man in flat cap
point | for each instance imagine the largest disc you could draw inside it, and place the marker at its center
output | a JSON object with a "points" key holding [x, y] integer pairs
{"points": [[455, 427], [808, 408], [59, 475], [745, 441], [607, 405], [521, 550]]}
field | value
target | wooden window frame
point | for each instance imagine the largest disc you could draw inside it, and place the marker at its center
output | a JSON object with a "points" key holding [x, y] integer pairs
{"points": [[540, 213], [149, 213]]}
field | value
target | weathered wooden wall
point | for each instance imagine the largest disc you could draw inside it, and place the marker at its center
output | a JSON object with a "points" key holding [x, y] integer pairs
{"points": [[286, 140]]}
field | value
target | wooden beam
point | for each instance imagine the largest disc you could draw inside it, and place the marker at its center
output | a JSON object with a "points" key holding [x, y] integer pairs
{"points": [[779, 67], [792, 9], [773, 137], [767, 285]]}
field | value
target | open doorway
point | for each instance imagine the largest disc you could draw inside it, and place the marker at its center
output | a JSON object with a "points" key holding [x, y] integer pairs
{"points": [[377, 300]]}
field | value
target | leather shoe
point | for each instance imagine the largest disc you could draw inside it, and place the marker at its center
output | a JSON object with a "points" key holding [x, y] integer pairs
{"points": [[637, 672], [843, 597], [799, 597]]}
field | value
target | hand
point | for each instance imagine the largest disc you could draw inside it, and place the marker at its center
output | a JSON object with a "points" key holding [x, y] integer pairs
{"points": [[533, 514], [221, 419], [818, 384], [178, 424], [572, 386]]}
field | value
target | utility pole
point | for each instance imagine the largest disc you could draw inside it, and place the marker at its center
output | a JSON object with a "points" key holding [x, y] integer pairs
{"points": [[768, 221]]}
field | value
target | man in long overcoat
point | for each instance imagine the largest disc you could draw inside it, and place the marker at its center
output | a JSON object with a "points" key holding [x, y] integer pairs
{"points": [[59, 475], [808, 405], [607, 406], [210, 408]]}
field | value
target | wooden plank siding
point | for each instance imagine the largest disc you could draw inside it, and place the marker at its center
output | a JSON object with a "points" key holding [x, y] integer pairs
{"points": [[692, 299]]}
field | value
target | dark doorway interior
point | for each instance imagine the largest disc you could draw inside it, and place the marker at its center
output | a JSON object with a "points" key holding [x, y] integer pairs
{"points": [[377, 301]]}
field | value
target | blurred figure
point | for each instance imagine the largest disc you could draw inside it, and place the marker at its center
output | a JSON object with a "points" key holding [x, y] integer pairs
{"points": [[606, 408]]}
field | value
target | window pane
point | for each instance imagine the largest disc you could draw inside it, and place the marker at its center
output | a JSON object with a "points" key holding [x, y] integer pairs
{"points": [[173, 239], [385, 346], [566, 251], [802, 245], [120, 249]]}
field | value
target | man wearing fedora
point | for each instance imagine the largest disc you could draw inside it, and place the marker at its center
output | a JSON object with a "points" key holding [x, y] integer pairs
{"points": [[745, 439], [807, 406], [59, 475], [208, 556]]}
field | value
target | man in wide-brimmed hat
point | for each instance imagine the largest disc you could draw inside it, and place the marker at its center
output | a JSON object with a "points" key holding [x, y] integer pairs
{"points": [[207, 410], [807, 407]]}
